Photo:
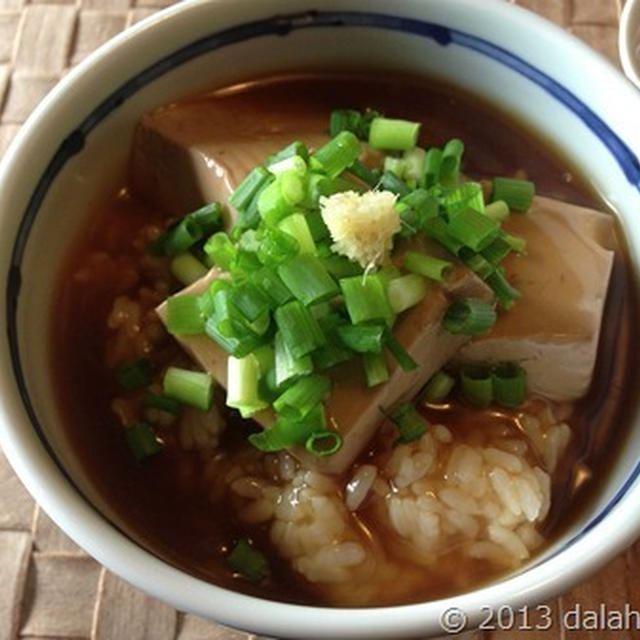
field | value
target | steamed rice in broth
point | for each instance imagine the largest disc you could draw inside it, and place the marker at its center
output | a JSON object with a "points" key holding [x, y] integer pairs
{"points": [[432, 438]]}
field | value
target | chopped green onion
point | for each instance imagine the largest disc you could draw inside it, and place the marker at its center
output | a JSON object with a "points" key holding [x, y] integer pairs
{"points": [[273, 206], [330, 355], [414, 165], [194, 388], [505, 293], [396, 166], [509, 384], [286, 433], [242, 385], [477, 263], [289, 368], [187, 269], [249, 218], [519, 245], [427, 266], [296, 148], [450, 162], [363, 338], [365, 298], [477, 385], [390, 182], [370, 176], [402, 357], [465, 196], [438, 387], [431, 171], [317, 227], [300, 330], [308, 280], [438, 229], [244, 193], [292, 186], [184, 315], [497, 251], [249, 301], [162, 403], [340, 266], [293, 163], [497, 210], [248, 562], [351, 120], [337, 154], [276, 246], [268, 281], [473, 229], [518, 194], [296, 226], [375, 369], [411, 425], [178, 238], [208, 218], [302, 396], [323, 443], [469, 316], [220, 251], [142, 441], [134, 375], [406, 291], [393, 135]]}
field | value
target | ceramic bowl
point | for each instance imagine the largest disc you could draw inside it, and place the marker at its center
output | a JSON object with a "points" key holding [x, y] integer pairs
{"points": [[74, 148]]}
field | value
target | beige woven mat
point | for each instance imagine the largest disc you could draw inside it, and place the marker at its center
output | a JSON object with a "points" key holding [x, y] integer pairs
{"points": [[49, 588]]}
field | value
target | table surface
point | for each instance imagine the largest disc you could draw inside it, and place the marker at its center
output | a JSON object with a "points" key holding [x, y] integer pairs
{"points": [[50, 587]]}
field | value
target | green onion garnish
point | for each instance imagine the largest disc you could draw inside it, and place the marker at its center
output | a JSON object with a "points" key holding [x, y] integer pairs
{"points": [[276, 246], [286, 433], [296, 226], [194, 388], [187, 269], [247, 189], [242, 385], [294, 163], [298, 400], [450, 161], [269, 282], [438, 229], [142, 441], [438, 387], [465, 196], [427, 266], [365, 298], [505, 293], [414, 165], [351, 120], [296, 148], [469, 316], [519, 245], [406, 362], [497, 210], [473, 229], [517, 194], [396, 166], [370, 176], [509, 384], [363, 338], [431, 171], [406, 291], [390, 182], [411, 425], [289, 368], [184, 315], [273, 205], [323, 443], [375, 369], [208, 218], [477, 263], [300, 330], [308, 280], [497, 251], [477, 385], [248, 562], [249, 301], [220, 251], [178, 238], [338, 154], [134, 375], [393, 135], [162, 403]]}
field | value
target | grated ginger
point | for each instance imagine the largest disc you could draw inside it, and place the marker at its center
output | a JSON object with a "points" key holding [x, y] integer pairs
{"points": [[361, 225]]}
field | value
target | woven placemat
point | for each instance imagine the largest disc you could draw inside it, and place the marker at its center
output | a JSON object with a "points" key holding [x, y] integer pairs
{"points": [[49, 588]]}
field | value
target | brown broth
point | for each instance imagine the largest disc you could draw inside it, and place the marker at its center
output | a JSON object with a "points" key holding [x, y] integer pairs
{"points": [[161, 501]]}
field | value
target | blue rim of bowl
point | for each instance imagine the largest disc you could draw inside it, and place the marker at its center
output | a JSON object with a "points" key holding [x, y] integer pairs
{"points": [[281, 26]]}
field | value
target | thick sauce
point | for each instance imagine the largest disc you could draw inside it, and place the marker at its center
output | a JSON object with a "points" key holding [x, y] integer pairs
{"points": [[163, 502]]}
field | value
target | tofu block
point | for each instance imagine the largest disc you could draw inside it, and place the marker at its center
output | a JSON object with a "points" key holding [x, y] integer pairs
{"points": [[553, 330], [188, 154], [352, 408]]}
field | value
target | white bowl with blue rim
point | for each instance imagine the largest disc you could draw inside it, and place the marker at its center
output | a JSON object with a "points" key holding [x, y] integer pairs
{"points": [[75, 146]]}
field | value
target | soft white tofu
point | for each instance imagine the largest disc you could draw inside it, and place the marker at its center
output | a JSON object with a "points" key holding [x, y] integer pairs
{"points": [[553, 330]]}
